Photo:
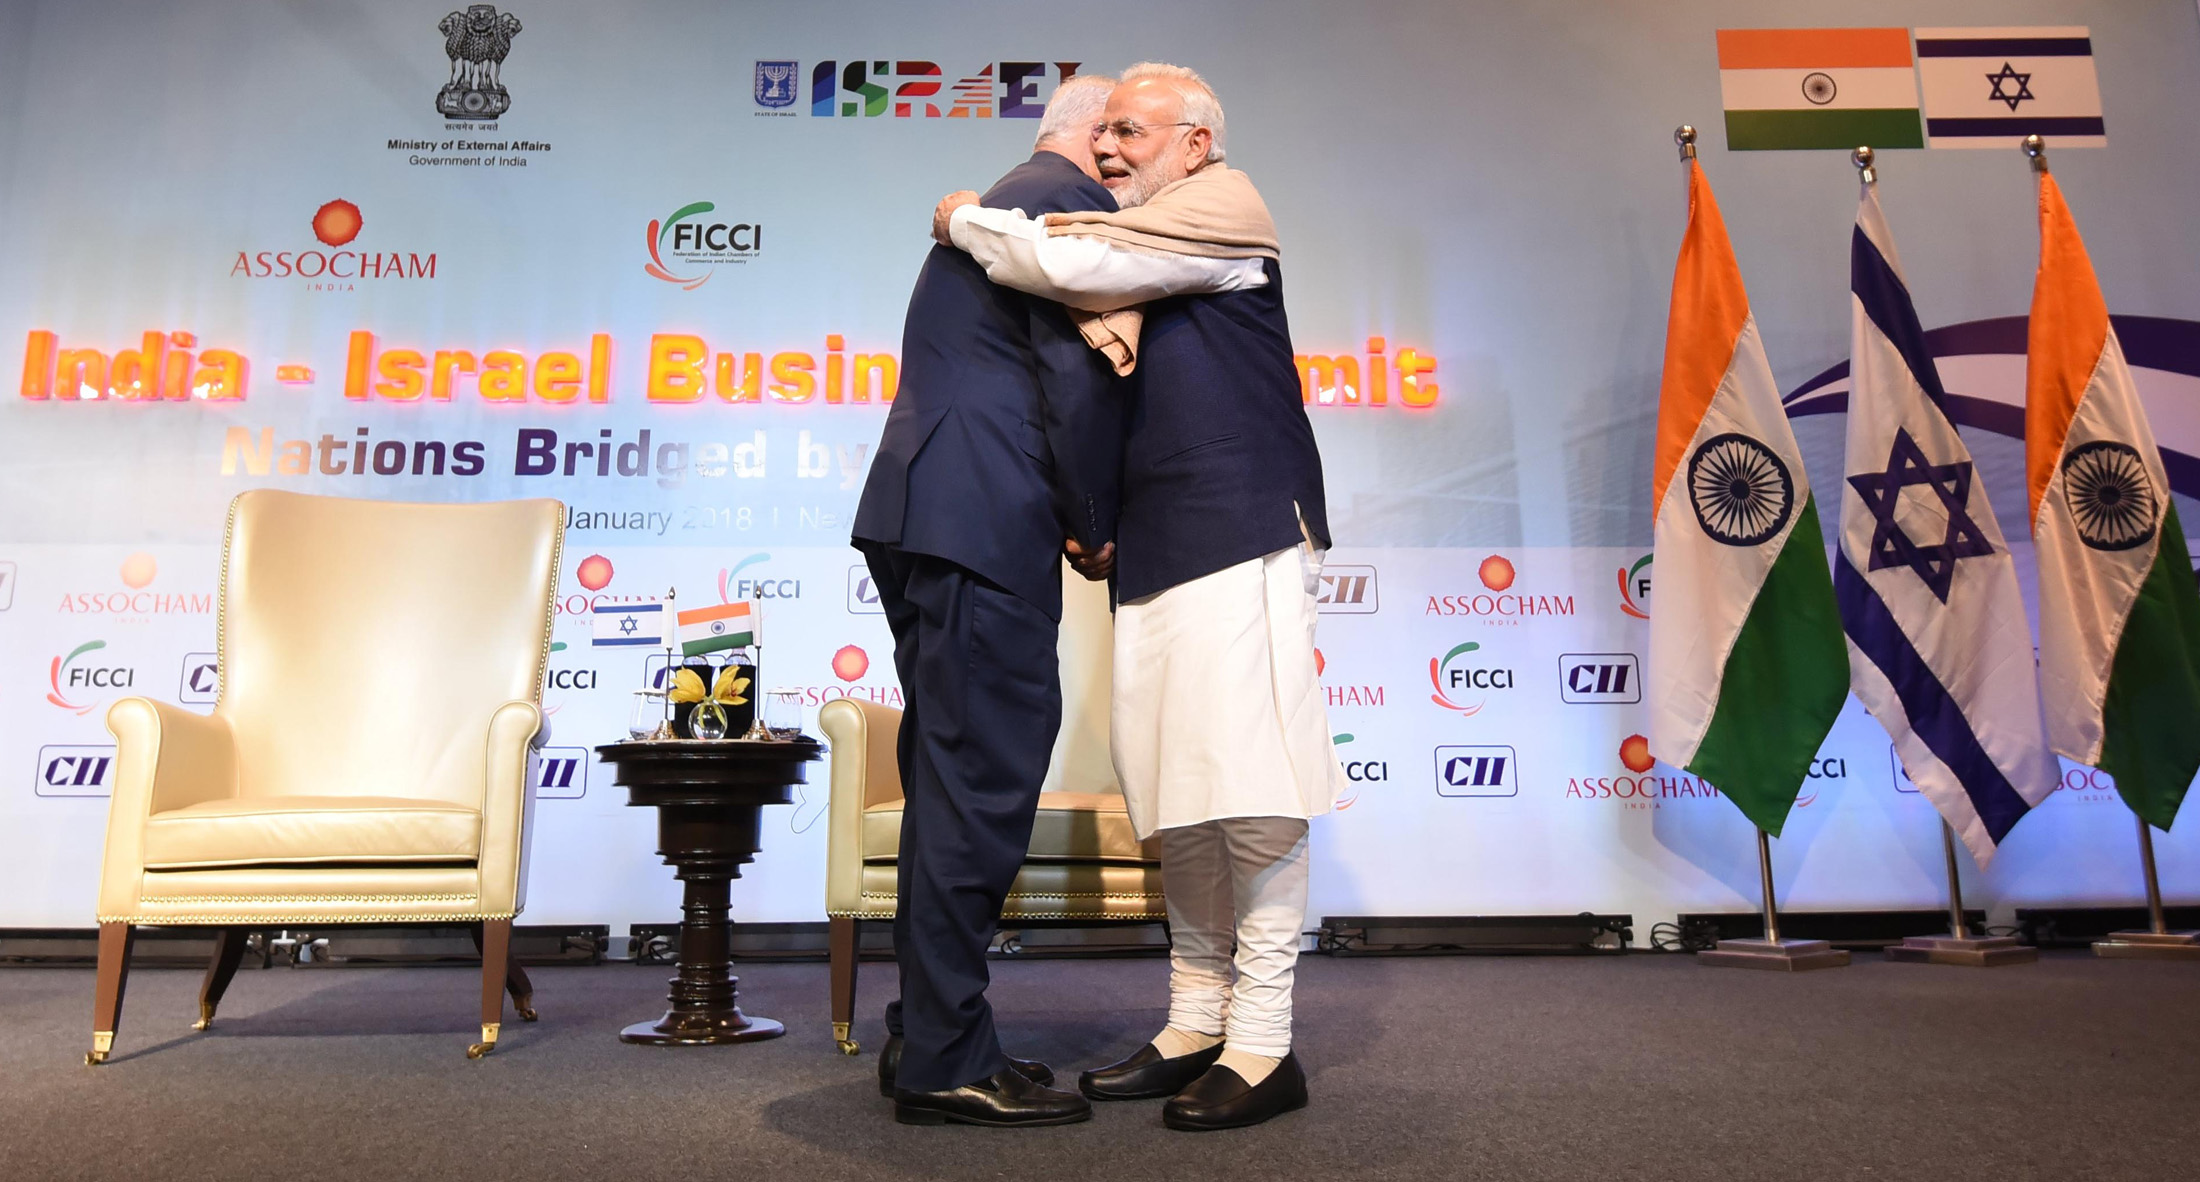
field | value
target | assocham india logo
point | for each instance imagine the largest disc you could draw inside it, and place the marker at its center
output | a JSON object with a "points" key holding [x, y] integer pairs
{"points": [[137, 600], [1640, 788], [697, 244], [1498, 602], [336, 224]]}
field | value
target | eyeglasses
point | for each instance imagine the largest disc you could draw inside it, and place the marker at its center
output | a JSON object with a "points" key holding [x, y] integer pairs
{"points": [[1128, 131]]}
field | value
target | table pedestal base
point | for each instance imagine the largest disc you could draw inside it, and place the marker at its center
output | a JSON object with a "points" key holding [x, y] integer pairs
{"points": [[1780, 956], [676, 1029], [1978, 952]]}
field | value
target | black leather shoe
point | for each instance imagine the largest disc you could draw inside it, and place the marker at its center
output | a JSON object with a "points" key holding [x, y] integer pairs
{"points": [[1146, 1075], [889, 1065], [1221, 1099], [1004, 1099]]}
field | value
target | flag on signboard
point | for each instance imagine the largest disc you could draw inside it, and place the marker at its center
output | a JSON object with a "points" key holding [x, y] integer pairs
{"points": [[1939, 648], [1747, 669], [1990, 88], [709, 629], [2119, 615], [1818, 88], [629, 625]]}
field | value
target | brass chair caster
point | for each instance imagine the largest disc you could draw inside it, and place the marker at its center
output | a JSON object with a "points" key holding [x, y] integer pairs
{"points": [[841, 1039], [206, 1019], [848, 1046], [94, 1058], [103, 1041], [488, 1041], [525, 1007]]}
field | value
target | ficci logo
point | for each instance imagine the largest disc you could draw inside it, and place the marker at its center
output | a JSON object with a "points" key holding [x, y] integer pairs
{"points": [[1496, 572], [594, 572], [66, 674], [1447, 677], [1634, 588], [733, 588], [1356, 772], [851, 663]]}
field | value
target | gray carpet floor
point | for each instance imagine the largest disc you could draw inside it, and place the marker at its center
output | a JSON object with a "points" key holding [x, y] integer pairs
{"points": [[1639, 1067]]}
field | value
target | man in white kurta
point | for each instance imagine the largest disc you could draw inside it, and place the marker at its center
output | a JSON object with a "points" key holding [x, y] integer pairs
{"points": [[1218, 726]]}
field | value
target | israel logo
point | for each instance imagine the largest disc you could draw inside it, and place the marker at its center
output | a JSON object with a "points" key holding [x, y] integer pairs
{"points": [[2111, 496], [1741, 491], [775, 84]]}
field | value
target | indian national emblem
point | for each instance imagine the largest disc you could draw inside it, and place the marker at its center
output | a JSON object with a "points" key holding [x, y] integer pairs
{"points": [[477, 41], [775, 84]]}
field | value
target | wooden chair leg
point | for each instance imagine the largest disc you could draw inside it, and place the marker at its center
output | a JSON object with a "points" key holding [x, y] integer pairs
{"points": [[843, 940], [115, 940], [496, 957], [515, 982], [228, 951]]}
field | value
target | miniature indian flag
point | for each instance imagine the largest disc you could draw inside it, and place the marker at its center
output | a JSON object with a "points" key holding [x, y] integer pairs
{"points": [[709, 629], [1747, 663], [2119, 616], [1818, 88]]}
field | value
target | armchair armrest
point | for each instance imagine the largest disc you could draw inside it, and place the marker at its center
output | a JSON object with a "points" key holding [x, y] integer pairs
{"points": [[507, 807], [864, 772], [166, 758]]}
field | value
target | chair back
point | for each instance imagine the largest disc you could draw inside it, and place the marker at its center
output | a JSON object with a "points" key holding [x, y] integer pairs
{"points": [[365, 644], [1081, 762]]}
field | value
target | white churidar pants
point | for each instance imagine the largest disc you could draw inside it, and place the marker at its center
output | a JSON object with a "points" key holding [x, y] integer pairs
{"points": [[1221, 741]]}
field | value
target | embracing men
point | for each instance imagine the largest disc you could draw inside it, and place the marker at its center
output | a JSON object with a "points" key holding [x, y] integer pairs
{"points": [[1218, 730]]}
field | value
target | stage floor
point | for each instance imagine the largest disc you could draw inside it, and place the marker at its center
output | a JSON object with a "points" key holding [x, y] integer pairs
{"points": [[1646, 1066]]}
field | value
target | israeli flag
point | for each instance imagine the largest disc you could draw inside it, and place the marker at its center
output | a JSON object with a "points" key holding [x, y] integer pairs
{"points": [[1939, 649], [630, 625]]}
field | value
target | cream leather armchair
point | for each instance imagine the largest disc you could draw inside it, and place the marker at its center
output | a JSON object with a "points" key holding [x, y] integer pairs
{"points": [[1084, 862], [381, 678]]}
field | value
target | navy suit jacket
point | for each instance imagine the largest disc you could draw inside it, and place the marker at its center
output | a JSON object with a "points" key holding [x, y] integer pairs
{"points": [[1006, 434]]}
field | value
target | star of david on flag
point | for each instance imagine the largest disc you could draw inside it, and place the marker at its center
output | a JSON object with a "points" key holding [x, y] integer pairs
{"points": [[1939, 648], [629, 625]]}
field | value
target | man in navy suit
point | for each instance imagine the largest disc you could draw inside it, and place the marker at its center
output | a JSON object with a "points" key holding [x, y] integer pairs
{"points": [[1005, 438]]}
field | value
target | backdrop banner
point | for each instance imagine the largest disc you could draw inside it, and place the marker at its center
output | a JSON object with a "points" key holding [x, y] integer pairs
{"points": [[652, 260]]}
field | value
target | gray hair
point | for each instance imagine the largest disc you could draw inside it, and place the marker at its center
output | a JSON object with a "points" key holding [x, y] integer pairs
{"points": [[1075, 108], [1201, 107]]}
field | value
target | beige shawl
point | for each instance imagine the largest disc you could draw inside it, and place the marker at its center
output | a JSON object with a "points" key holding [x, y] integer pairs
{"points": [[1214, 213]]}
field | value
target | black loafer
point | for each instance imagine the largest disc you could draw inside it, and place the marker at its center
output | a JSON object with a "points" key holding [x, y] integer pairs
{"points": [[1221, 1099], [889, 1065], [1146, 1075], [1004, 1099]]}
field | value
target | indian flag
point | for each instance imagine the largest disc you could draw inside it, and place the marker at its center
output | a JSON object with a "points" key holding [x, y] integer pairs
{"points": [[1818, 88], [1747, 664], [708, 629], [2119, 615]]}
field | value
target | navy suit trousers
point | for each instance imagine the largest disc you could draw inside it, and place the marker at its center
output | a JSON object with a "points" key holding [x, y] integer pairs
{"points": [[979, 673]]}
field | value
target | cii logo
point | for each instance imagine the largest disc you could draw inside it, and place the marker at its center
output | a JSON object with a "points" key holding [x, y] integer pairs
{"points": [[1634, 588], [1586, 678], [863, 592], [1477, 771], [1347, 590], [698, 244], [75, 675], [73, 771], [200, 684], [1459, 672], [562, 773]]}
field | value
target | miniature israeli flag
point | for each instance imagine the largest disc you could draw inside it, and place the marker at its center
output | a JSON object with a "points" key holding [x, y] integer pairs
{"points": [[630, 625]]}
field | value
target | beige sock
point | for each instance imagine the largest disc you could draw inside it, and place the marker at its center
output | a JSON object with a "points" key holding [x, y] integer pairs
{"points": [[1250, 1067], [1175, 1044]]}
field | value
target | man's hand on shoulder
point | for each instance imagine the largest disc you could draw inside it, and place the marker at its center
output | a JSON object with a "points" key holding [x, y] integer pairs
{"points": [[945, 211]]}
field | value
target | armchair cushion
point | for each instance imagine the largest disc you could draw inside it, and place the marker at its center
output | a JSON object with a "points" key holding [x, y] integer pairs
{"points": [[298, 830], [1070, 827]]}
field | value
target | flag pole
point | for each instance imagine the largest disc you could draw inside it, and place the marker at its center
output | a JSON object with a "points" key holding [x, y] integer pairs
{"points": [[757, 731], [1764, 886], [1772, 951], [2157, 942], [672, 637]]}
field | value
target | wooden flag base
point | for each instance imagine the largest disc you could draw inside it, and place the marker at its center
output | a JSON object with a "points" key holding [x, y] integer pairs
{"points": [[1780, 956], [1978, 952], [2142, 945]]}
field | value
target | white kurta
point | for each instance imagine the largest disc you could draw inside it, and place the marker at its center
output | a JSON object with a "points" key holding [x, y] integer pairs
{"points": [[1218, 708]]}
